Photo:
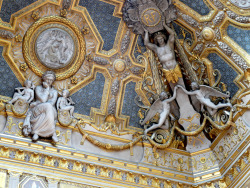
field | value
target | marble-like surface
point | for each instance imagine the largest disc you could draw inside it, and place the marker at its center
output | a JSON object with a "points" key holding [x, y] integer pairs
{"points": [[55, 48], [9, 7]]}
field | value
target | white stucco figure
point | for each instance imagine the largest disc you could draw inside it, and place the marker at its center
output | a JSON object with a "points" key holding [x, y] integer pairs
{"points": [[162, 106], [166, 55], [65, 103], [42, 115], [54, 48], [24, 93], [202, 93]]}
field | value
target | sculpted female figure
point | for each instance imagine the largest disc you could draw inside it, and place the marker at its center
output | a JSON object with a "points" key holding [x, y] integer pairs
{"points": [[40, 120]]}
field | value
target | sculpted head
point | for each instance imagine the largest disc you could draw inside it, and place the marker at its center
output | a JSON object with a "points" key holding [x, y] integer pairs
{"points": [[28, 83], [160, 39], [195, 86], [163, 96], [65, 93], [49, 77]]}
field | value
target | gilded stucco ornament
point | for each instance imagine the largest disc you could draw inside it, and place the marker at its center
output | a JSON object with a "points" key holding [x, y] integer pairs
{"points": [[6, 34], [208, 33], [148, 14], [171, 72], [51, 43], [119, 65]]}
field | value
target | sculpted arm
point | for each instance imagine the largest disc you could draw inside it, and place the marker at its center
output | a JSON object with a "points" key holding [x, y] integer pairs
{"points": [[173, 97], [188, 92], [171, 34], [58, 103], [31, 96], [53, 98], [42, 94], [149, 44]]}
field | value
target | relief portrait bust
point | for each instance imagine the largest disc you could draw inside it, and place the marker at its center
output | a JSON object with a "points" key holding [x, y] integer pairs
{"points": [[54, 48]]}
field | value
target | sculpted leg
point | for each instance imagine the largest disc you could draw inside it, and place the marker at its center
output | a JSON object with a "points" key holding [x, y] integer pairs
{"points": [[54, 137], [212, 111], [35, 137], [71, 111], [163, 116]]}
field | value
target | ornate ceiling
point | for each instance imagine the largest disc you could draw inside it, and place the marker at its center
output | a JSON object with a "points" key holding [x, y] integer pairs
{"points": [[110, 76]]}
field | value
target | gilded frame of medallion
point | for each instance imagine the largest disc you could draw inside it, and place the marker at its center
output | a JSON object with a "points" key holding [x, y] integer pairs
{"points": [[65, 72]]}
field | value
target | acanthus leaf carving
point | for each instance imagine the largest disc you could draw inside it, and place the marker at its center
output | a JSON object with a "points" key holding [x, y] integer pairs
{"points": [[198, 48], [100, 61], [226, 49], [66, 4], [137, 70], [189, 20], [112, 106], [115, 87], [219, 17], [218, 4], [6, 34], [236, 17], [125, 42], [239, 61]]}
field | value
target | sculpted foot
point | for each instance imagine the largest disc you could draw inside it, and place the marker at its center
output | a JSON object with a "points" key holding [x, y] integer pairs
{"points": [[35, 137], [54, 138], [25, 132]]}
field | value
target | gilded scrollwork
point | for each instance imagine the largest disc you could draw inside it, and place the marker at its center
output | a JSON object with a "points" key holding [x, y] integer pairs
{"points": [[146, 71]]}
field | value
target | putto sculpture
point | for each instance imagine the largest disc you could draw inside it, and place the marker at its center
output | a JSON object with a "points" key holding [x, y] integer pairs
{"points": [[162, 106], [24, 93], [152, 19], [202, 93], [65, 108], [41, 116], [65, 103]]}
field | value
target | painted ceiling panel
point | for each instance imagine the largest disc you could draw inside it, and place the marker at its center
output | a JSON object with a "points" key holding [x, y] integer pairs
{"points": [[9, 7], [198, 6], [8, 79], [89, 96], [102, 15], [227, 73], [240, 36], [129, 107]]}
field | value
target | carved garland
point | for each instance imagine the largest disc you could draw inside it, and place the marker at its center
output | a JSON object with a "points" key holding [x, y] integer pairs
{"points": [[152, 142]]}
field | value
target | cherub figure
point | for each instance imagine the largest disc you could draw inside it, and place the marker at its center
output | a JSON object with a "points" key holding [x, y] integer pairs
{"points": [[25, 93], [162, 106], [65, 103], [202, 93]]}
